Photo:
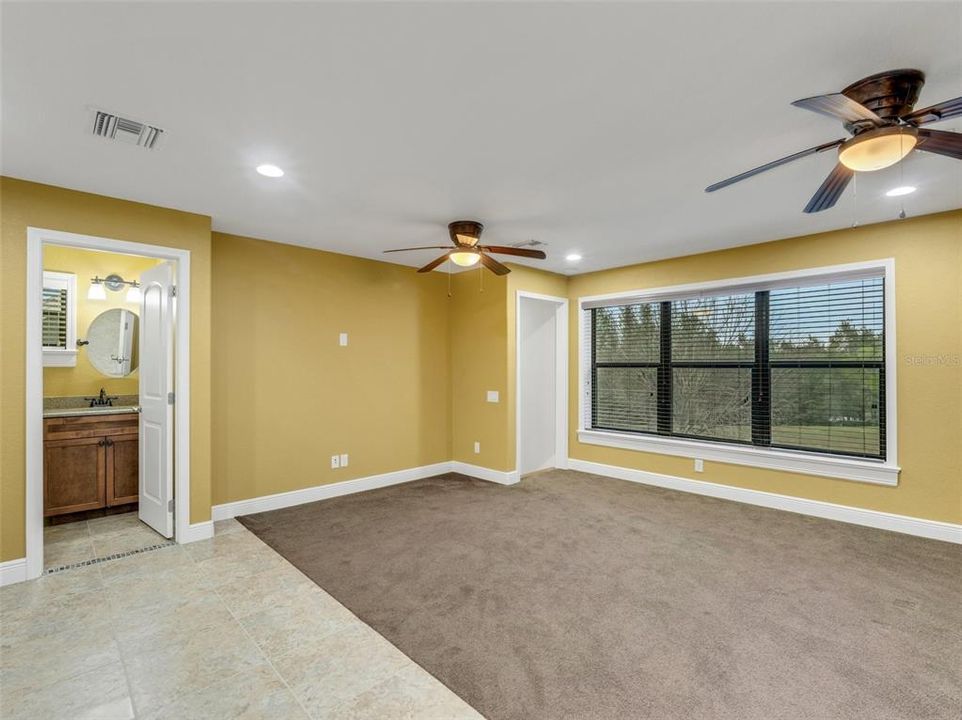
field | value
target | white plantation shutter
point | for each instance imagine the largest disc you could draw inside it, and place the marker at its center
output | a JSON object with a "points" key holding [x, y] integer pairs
{"points": [[59, 318], [55, 318]]}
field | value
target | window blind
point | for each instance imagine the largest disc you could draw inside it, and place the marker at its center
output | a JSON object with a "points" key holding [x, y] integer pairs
{"points": [[790, 367]]}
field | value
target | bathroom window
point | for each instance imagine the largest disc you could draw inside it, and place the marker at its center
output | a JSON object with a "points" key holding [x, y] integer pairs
{"points": [[59, 332]]}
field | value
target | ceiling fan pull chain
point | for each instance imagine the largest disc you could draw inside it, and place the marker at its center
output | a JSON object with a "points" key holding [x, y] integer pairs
{"points": [[450, 294], [854, 199], [902, 177], [481, 274]]}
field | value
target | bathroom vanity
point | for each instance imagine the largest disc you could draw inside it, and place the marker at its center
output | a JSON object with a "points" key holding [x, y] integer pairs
{"points": [[90, 459]]}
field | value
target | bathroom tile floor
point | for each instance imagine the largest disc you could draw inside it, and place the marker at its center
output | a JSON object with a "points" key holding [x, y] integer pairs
{"points": [[217, 629], [97, 538]]}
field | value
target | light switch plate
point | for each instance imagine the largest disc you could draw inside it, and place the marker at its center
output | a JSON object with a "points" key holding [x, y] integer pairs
{"points": [[493, 396], [344, 460], [343, 340], [335, 462], [477, 447], [699, 465]]}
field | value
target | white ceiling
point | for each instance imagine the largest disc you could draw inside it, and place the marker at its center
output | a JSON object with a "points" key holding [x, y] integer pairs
{"points": [[592, 127]]}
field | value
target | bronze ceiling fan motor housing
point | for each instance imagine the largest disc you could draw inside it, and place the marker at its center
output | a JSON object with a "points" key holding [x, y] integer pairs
{"points": [[465, 232], [890, 95]]}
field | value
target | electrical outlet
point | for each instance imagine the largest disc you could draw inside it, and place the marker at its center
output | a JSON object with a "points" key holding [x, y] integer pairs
{"points": [[344, 460], [335, 462], [477, 447], [699, 465], [493, 396], [343, 339]]}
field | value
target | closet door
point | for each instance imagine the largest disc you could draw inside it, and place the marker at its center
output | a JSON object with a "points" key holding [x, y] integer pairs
{"points": [[74, 475]]}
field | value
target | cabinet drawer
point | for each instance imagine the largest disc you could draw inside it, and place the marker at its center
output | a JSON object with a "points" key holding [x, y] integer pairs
{"points": [[89, 426]]}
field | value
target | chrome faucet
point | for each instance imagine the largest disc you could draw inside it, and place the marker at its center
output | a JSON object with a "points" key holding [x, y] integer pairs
{"points": [[101, 400]]}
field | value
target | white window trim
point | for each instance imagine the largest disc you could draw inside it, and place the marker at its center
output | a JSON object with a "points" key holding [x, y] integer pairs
{"points": [[808, 463], [55, 356]]}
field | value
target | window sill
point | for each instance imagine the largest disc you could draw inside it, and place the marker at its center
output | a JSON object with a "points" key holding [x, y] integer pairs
{"points": [[59, 358], [870, 471]]}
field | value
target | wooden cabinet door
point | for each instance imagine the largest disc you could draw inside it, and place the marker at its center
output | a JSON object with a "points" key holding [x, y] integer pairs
{"points": [[122, 476], [74, 475]]}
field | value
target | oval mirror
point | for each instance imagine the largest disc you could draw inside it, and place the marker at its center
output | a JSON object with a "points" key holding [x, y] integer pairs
{"points": [[112, 342]]}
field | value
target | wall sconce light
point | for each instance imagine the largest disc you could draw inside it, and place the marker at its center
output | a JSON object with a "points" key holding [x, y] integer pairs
{"points": [[114, 283]]}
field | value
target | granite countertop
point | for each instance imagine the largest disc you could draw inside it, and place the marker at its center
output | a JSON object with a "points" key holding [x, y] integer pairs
{"points": [[72, 406]]}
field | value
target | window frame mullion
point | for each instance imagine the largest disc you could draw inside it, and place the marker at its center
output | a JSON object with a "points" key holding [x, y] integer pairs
{"points": [[664, 409], [762, 374]]}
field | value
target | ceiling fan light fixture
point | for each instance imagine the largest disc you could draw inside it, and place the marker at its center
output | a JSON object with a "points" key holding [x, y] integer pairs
{"points": [[877, 149], [465, 259]]}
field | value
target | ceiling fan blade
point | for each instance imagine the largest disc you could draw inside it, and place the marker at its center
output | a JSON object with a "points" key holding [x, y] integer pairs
{"points": [[840, 107], [934, 113], [773, 164], [493, 265], [831, 190], [941, 142], [426, 247], [520, 252], [433, 264]]}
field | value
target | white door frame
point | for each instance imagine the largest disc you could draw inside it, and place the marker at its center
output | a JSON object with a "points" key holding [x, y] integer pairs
{"points": [[561, 377], [36, 239]]}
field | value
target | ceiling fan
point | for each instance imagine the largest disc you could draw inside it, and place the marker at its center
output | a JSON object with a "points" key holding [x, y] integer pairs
{"points": [[878, 112], [465, 234]]}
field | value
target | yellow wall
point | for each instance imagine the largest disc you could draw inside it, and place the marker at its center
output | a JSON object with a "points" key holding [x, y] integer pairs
{"points": [[928, 285], [479, 332], [409, 389], [24, 204], [287, 396], [84, 379]]}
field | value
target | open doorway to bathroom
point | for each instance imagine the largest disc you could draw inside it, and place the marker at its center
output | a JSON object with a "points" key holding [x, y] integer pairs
{"points": [[107, 346], [92, 306]]}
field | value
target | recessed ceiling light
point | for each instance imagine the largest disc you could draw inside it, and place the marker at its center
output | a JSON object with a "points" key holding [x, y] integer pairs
{"points": [[902, 190], [573, 257], [271, 171]]}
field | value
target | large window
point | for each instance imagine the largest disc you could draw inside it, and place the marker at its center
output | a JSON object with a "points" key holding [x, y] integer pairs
{"points": [[796, 365]]}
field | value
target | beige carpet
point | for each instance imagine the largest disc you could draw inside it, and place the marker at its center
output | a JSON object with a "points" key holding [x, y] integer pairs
{"points": [[575, 596]]}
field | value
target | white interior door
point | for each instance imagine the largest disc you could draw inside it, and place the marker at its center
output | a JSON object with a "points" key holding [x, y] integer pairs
{"points": [[538, 378], [156, 399]]}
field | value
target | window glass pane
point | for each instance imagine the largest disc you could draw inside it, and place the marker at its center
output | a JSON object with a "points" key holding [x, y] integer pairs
{"points": [[712, 402], [626, 399], [841, 321], [713, 329], [627, 333], [828, 409]]}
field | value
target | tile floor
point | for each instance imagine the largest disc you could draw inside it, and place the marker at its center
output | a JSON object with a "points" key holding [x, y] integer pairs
{"points": [[88, 539], [218, 629]]}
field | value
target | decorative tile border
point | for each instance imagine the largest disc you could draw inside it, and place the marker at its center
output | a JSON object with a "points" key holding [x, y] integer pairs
{"points": [[115, 556]]}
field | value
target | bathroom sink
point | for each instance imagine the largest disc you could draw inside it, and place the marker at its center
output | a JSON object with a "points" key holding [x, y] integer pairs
{"points": [[97, 410]]}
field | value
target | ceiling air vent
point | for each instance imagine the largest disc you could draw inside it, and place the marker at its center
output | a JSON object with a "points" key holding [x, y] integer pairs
{"points": [[529, 244], [132, 132]]}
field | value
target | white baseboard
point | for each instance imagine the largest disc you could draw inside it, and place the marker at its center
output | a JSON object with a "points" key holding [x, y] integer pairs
{"points": [[197, 531], [13, 571], [932, 529], [323, 492], [482, 473]]}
